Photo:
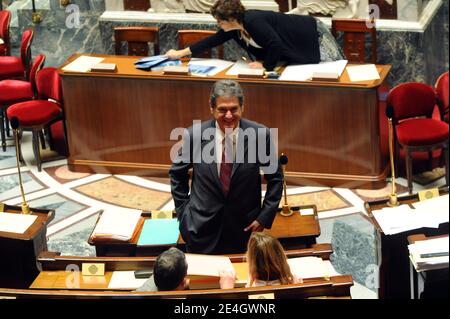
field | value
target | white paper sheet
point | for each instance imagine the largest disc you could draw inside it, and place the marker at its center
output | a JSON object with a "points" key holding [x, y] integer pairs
{"points": [[310, 267], [304, 72], [15, 223], [1, 41], [239, 67], [307, 211], [207, 265], [219, 64], [117, 224], [82, 64], [125, 280], [365, 72]]}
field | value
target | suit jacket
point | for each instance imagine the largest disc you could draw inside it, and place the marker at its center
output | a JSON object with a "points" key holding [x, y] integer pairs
{"points": [[283, 37], [211, 222]]}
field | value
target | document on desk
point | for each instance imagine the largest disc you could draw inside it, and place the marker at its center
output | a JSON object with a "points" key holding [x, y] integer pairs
{"points": [[430, 254], [125, 280], [117, 224], [15, 223], [239, 67], [208, 265], [435, 208], [365, 72], [82, 64], [311, 267], [305, 72], [217, 64], [159, 232]]}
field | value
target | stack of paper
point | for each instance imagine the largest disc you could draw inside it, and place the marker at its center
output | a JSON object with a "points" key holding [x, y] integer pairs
{"points": [[311, 267], [117, 224], [365, 72], [216, 65], [239, 67], [429, 213], [429, 254], [204, 270], [306, 72], [15, 223], [82, 64], [125, 280]]}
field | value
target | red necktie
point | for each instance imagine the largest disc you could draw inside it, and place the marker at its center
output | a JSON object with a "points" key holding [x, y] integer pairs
{"points": [[226, 165]]}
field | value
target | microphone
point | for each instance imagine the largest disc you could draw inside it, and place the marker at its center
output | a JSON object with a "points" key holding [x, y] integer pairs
{"points": [[15, 126], [392, 202], [286, 210]]}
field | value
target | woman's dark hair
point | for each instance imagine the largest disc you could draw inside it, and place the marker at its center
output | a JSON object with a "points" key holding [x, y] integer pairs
{"points": [[228, 9]]}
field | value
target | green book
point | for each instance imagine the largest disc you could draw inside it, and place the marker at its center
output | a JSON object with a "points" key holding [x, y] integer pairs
{"points": [[159, 232]]}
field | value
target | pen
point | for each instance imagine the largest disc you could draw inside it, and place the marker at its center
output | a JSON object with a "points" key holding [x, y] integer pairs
{"points": [[244, 58]]}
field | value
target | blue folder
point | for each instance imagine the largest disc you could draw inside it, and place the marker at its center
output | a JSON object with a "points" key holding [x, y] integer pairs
{"points": [[159, 232]]}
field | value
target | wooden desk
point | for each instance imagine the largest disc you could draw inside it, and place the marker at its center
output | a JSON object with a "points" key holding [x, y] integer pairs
{"points": [[431, 283], [18, 252], [393, 251], [52, 281], [121, 122], [294, 232]]}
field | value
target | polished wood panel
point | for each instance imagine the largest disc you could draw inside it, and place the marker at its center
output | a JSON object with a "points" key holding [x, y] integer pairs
{"points": [[329, 130], [188, 37], [394, 261]]}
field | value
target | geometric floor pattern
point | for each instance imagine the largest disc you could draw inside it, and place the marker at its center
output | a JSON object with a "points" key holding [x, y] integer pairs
{"points": [[78, 198]]}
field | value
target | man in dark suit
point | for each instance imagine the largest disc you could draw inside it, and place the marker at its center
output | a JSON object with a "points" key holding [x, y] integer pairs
{"points": [[223, 205]]}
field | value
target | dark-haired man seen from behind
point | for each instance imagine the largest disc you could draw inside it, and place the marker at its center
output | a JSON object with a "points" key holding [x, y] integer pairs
{"points": [[223, 206]]}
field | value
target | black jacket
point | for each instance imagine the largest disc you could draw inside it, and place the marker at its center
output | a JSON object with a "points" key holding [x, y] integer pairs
{"points": [[282, 37], [211, 222]]}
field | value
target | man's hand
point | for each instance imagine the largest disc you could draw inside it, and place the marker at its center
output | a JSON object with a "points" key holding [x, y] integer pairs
{"points": [[227, 279], [255, 226]]}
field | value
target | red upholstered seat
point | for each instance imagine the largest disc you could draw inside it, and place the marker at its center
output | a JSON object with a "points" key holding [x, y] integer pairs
{"points": [[442, 95], [415, 129], [37, 112], [5, 19], [11, 66], [421, 132], [36, 115], [15, 90]]}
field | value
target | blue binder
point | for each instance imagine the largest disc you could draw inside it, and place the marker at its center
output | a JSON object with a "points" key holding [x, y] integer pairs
{"points": [[159, 232]]}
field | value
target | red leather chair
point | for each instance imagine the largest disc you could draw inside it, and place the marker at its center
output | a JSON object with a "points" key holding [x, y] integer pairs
{"points": [[18, 67], [414, 129], [39, 114], [5, 19], [15, 91], [442, 92]]}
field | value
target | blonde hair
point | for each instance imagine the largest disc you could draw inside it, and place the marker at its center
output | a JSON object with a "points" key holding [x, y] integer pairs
{"points": [[267, 260]]}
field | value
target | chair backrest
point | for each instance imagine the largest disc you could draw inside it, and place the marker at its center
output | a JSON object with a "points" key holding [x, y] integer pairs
{"points": [[411, 99], [5, 19], [188, 37], [25, 50], [442, 92], [355, 38], [37, 65], [137, 39], [48, 84]]}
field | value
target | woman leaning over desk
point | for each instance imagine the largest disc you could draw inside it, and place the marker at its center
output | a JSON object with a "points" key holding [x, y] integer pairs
{"points": [[269, 36]]}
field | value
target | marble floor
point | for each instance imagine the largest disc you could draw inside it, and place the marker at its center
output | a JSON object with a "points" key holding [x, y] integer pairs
{"points": [[78, 198]]}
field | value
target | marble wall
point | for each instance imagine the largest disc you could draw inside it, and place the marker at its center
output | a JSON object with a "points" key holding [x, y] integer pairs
{"points": [[415, 56]]}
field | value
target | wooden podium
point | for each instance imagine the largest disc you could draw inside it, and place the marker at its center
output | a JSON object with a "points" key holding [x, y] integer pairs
{"points": [[19, 252], [393, 250]]}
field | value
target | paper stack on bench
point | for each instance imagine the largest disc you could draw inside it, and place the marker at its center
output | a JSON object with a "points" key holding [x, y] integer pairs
{"points": [[429, 213], [429, 254], [117, 224]]}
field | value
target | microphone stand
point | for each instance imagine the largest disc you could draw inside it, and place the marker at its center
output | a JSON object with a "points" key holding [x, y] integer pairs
{"points": [[393, 201], [286, 211], [25, 207]]}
